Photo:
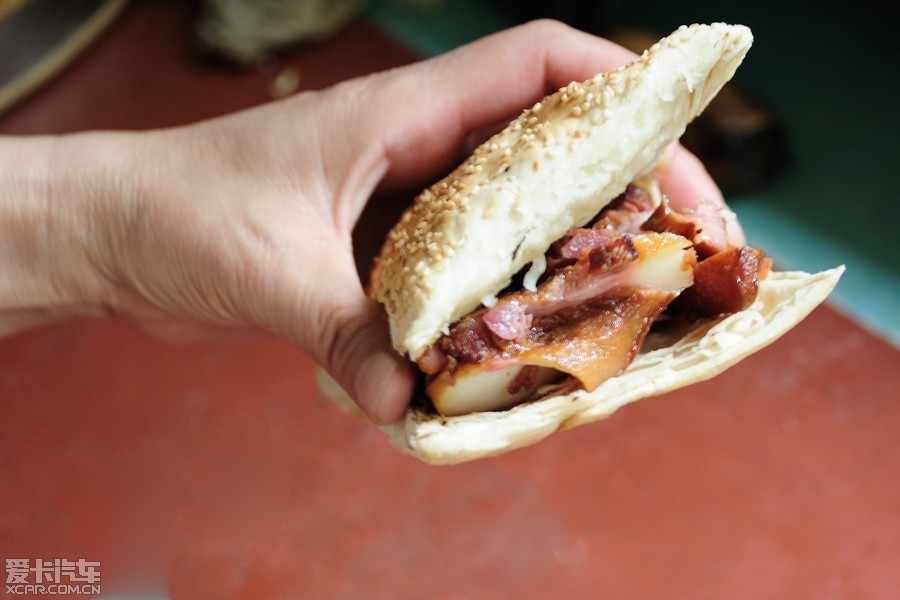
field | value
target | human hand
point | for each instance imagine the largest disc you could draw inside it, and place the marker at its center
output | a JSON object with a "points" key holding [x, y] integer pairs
{"points": [[244, 222]]}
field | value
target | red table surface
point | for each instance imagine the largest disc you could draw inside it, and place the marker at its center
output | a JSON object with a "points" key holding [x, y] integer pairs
{"points": [[219, 471]]}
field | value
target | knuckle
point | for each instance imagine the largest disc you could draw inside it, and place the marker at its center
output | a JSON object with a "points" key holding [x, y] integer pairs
{"points": [[546, 29], [344, 329]]}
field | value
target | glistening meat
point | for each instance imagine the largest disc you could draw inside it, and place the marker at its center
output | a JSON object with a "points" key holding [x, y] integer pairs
{"points": [[604, 287]]}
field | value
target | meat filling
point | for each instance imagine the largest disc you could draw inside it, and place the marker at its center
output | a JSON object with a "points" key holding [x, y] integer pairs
{"points": [[604, 286]]}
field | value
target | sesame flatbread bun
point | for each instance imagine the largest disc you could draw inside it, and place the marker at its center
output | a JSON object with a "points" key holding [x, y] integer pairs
{"points": [[551, 169], [546, 282]]}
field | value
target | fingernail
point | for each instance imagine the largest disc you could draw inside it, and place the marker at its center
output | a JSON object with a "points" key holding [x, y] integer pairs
{"points": [[372, 382]]}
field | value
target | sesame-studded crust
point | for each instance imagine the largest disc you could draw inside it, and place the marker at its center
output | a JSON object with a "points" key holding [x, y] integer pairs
{"points": [[551, 169]]}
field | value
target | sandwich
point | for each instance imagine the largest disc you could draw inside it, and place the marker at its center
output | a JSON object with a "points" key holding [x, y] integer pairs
{"points": [[546, 281]]}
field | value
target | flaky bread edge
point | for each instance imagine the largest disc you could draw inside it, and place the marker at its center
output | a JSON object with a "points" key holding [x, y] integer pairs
{"points": [[785, 299]]}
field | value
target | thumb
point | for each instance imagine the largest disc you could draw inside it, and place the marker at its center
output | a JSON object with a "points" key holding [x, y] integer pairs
{"points": [[353, 346], [361, 360], [320, 307]]}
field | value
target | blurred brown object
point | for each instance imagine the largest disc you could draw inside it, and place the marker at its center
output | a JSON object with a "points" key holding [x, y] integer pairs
{"points": [[247, 32], [742, 142], [7, 6]]}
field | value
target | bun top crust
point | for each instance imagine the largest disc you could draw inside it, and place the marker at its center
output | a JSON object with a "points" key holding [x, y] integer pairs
{"points": [[551, 169]]}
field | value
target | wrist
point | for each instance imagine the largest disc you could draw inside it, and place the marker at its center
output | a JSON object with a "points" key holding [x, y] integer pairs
{"points": [[47, 222]]}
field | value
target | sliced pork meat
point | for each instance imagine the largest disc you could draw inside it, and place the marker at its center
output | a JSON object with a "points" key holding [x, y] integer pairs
{"points": [[724, 283], [627, 212], [587, 321], [603, 287]]}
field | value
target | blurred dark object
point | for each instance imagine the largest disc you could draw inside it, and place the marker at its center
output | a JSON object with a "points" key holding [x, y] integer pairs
{"points": [[743, 144], [40, 37], [248, 32]]}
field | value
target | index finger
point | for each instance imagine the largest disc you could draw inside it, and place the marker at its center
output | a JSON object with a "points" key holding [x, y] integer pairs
{"points": [[431, 106], [684, 179]]}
